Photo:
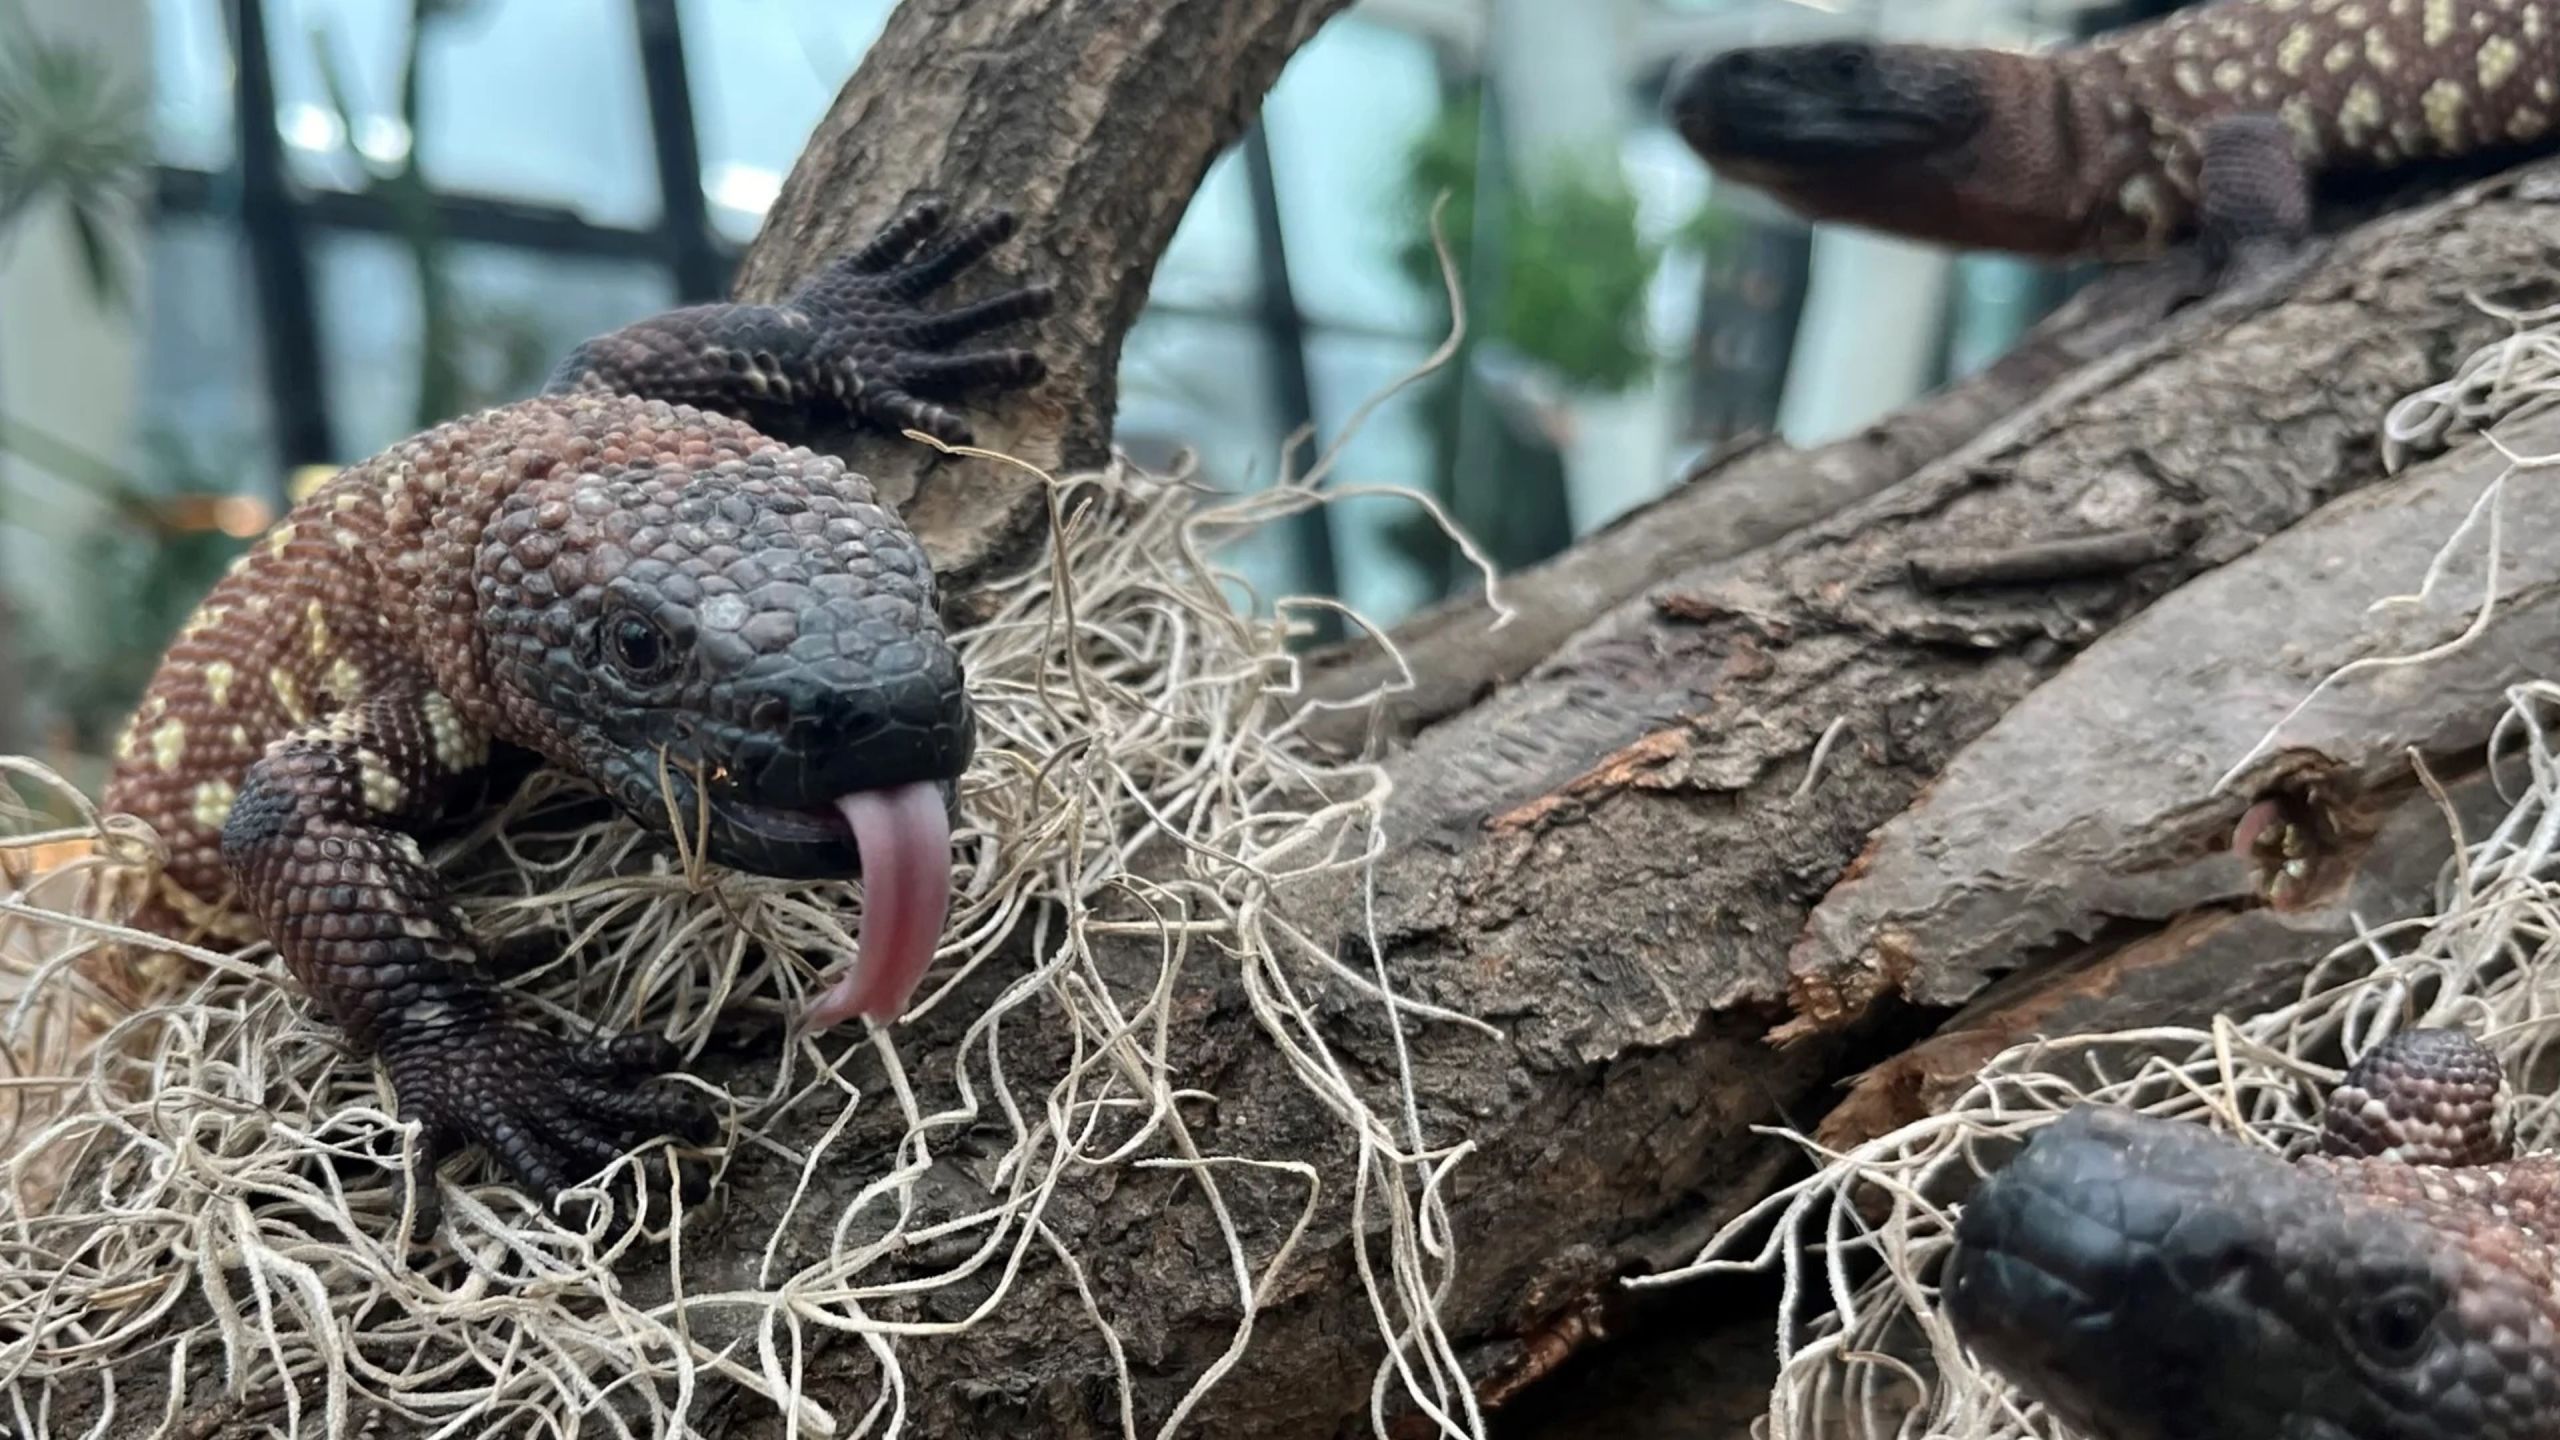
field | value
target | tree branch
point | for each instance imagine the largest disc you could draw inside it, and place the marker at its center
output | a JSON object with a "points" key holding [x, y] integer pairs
{"points": [[1613, 857], [1093, 123], [1738, 501]]}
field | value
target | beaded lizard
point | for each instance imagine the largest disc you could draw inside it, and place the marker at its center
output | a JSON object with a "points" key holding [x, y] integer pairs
{"points": [[709, 625], [2217, 121], [2152, 1280]]}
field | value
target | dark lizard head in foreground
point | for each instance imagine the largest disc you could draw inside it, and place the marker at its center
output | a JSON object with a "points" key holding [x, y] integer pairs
{"points": [[2153, 1280], [2220, 118], [726, 635], [629, 580]]}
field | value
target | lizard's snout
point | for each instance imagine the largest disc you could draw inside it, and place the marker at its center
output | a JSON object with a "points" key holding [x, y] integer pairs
{"points": [[822, 741], [2131, 1272]]}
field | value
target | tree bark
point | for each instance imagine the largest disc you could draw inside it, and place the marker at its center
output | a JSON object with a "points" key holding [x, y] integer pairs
{"points": [[1614, 854], [1094, 123], [1736, 501]]}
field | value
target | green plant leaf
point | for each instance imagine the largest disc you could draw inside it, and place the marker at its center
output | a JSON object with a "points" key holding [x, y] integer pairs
{"points": [[1575, 265], [71, 136]]}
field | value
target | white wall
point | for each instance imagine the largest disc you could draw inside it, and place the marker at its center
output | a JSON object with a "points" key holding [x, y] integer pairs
{"points": [[66, 365]]}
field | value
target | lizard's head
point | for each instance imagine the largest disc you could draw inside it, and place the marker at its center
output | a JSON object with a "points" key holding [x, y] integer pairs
{"points": [[738, 642], [1767, 109], [2153, 1280]]}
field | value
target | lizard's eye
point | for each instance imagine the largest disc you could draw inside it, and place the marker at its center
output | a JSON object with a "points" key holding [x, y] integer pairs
{"points": [[639, 648], [1848, 65], [2395, 1327]]}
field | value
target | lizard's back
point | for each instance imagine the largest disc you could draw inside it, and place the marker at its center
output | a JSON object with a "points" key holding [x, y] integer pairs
{"points": [[366, 586]]}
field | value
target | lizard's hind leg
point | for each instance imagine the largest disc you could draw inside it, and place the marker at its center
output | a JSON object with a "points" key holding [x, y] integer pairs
{"points": [[2253, 200]]}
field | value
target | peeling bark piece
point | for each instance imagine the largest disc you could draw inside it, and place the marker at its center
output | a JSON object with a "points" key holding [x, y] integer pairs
{"points": [[2042, 562], [2091, 802], [2195, 966]]}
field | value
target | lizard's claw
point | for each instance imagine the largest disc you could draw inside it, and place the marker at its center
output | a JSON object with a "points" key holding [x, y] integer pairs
{"points": [[887, 356], [552, 1113]]}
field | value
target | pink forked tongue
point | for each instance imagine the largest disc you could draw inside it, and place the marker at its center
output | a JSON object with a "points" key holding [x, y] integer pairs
{"points": [[905, 839]]}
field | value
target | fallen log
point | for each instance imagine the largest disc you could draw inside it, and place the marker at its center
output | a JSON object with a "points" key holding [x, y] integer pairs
{"points": [[2110, 796]]}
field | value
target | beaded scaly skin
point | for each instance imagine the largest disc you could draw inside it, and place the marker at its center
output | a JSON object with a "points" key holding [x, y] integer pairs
{"points": [[2153, 1280], [659, 598], [2216, 121]]}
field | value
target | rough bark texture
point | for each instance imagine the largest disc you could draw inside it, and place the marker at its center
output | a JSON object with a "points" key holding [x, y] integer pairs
{"points": [[2092, 803], [1745, 497], [1613, 856], [1094, 123]]}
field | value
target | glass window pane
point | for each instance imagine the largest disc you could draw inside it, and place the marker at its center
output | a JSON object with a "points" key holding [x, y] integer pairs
{"points": [[1204, 386], [191, 120], [517, 313], [1214, 261], [764, 73], [499, 116], [1342, 119], [1996, 298], [1392, 447], [204, 365]]}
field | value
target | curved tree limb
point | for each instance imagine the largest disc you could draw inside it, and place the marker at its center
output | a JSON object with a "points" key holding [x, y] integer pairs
{"points": [[1612, 857], [1095, 124]]}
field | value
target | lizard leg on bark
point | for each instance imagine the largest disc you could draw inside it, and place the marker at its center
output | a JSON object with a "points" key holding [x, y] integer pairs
{"points": [[2253, 197], [2253, 212], [851, 338], [320, 844]]}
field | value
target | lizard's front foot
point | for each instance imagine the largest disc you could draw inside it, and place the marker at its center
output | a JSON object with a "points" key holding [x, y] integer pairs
{"points": [[888, 354], [552, 1113]]}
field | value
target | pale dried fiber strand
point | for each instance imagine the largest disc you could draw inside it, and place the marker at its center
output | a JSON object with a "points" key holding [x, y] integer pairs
{"points": [[165, 1211], [1865, 1351]]}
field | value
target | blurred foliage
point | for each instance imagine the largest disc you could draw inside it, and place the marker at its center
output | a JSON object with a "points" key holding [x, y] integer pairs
{"points": [[68, 133], [1574, 263], [74, 144], [70, 136], [1562, 290], [149, 570], [1710, 229]]}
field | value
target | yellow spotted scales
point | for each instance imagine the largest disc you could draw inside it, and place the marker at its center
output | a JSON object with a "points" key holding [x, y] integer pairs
{"points": [[632, 578], [2219, 119], [261, 658], [2359, 84]]}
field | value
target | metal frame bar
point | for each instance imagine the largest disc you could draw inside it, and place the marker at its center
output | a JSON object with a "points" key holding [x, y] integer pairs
{"points": [[279, 261], [1284, 328], [198, 193], [702, 272]]}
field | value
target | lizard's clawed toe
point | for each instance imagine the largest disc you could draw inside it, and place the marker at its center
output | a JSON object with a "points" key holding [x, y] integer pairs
{"points": [[886, 353], [551, 1113]]}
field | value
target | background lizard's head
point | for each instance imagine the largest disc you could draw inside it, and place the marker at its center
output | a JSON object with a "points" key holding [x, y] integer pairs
{"points": [[2155, 1280], [1826, 103]]}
